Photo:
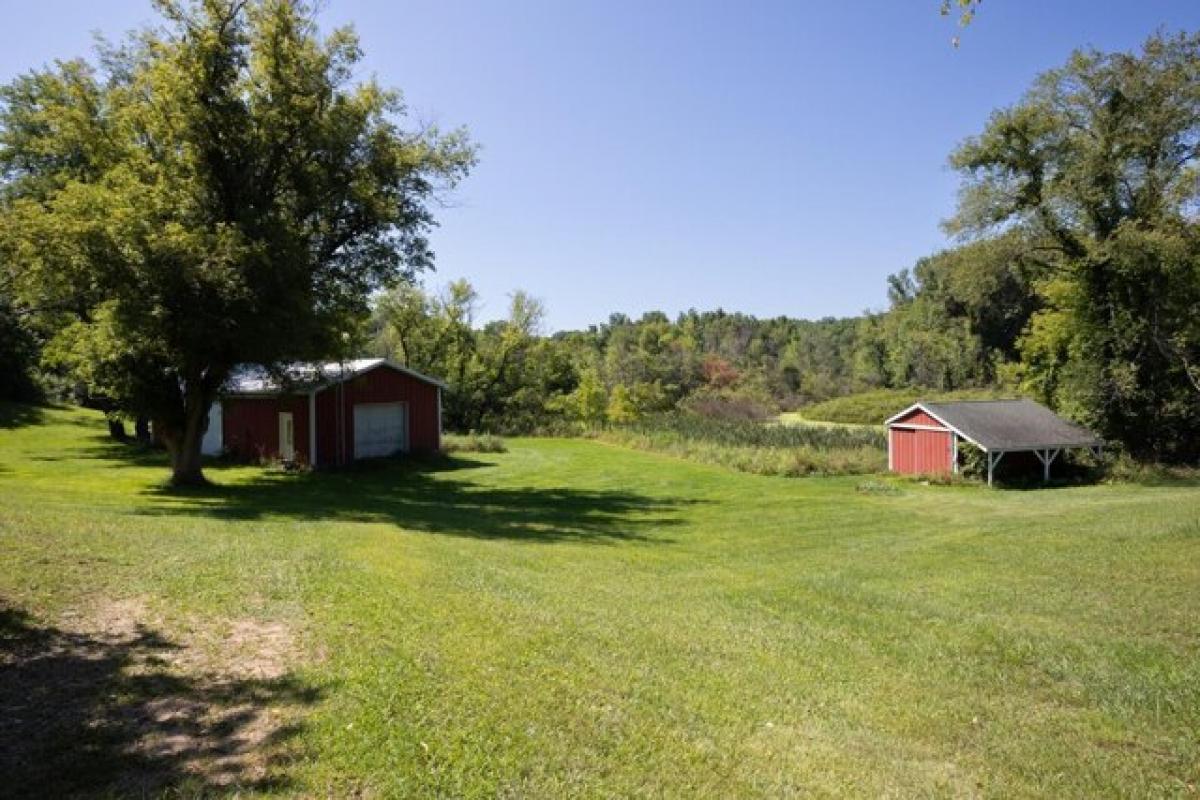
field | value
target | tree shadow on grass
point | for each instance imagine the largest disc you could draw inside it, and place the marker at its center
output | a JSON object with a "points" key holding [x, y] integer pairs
{"points": [[102, 447], [103, 713], [17, 415], [434, 495], [426, 493]]}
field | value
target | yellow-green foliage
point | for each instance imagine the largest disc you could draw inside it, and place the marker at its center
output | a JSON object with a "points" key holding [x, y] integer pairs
{"points": [[587, 404], [620, 406]]}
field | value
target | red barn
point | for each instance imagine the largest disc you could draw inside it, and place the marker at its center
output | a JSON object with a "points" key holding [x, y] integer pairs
{"points": [[924, 437], [328, 414]]}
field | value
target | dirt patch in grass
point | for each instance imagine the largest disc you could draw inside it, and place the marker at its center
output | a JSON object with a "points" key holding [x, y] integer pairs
{"points": [[247, 649], [110, 700]]}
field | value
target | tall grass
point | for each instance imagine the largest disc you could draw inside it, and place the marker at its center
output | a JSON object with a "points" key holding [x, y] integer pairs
{"points": [[473, 443], [762, 449]]}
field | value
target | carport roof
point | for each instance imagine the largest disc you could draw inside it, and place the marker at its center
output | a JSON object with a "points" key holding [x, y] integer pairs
{"points": [[1006, 424]]}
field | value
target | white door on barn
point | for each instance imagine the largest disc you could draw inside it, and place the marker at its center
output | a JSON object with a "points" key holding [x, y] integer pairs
{"points": [[380, 429], [212, 444], [287, 437]]}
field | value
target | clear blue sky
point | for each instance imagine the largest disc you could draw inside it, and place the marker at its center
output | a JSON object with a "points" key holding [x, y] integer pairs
{"points": [[767, 157]]}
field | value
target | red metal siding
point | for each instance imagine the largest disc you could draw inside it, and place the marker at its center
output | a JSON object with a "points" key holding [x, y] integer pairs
{"points": [[900, 450], [921, 451], [327, 428], [931, 451], [250, 425], [380, 385]]}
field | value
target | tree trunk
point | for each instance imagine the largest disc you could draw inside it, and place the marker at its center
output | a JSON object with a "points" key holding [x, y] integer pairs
{"points": [[116, 429], [185, 464], [184, 445], [141, 430]]}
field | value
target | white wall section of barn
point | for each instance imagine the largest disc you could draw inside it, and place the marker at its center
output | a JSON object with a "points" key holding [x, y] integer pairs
{"points": [[213, 442]]}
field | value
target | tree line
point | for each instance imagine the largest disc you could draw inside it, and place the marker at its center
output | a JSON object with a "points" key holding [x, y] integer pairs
{"points": [[508, 375], [1075, 279], [945, 329]]}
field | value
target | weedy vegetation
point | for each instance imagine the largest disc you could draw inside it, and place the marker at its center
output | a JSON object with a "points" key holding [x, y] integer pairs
{"points": [[756, 447], [473, 443]]}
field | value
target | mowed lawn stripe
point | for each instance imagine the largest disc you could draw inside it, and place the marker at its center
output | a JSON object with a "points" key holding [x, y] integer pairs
{"points": [[575, 618]]}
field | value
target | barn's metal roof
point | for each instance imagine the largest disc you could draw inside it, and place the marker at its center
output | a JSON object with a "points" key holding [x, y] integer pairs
{"points": [[309, 375], [1007, 424]]}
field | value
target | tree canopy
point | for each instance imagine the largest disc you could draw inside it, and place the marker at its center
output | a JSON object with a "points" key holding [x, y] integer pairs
{"points": [[214, 191], [1096, 170]]}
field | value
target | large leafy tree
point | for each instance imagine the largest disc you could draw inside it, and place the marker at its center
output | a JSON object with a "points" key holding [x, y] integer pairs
{"points": [[18, 354], [955, 318], [431, 333], [1097, 169], [499, 376], [216, 191]]}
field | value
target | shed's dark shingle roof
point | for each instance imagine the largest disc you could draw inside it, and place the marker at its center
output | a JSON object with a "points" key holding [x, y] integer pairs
{"points": [[1011, 424]]}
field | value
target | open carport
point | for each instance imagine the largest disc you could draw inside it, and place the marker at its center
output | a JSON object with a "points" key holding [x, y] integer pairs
{"points": [[924, 437]]}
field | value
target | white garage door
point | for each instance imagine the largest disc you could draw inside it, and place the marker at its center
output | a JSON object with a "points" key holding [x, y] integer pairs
{"points": [[380, 429]]}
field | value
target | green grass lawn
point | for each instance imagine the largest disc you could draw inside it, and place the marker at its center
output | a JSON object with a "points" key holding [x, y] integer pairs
{"points": [[571, 618]]}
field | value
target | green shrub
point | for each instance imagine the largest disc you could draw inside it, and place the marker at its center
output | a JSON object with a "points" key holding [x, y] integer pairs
{"points": [[1123, 469], [734, 405], [877, 487], [939, 479]]}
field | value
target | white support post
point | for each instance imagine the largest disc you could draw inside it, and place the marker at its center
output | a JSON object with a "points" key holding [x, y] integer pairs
{"points": [[992, 462], [954, 450], [1047, 458]]}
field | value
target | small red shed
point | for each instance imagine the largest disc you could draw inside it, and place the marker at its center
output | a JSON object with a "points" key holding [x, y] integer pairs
{"points": [[924, 437], [328, 414]]}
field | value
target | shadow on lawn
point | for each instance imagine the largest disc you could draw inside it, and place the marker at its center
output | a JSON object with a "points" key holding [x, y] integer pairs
{"points": [[429, 494], [16, 415], [102, 713]]}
